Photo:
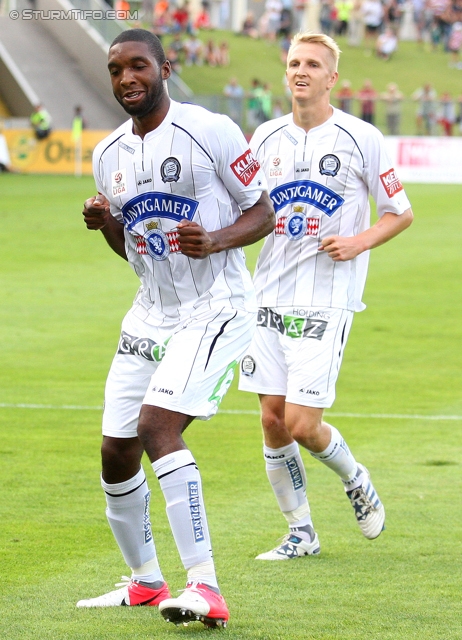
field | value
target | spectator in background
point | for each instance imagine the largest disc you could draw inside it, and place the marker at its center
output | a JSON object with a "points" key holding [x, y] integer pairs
{"points": [[122, 5], [393, 99], [267, 101], [344, 8], [386, 44], [194, 51], [161, 7], [271, 19], [373, 13], [177, 46], [367, 97], [327, 16], [459, 113], [211, 54], [249, 26], [446, 113], [455, 45], [78, 122], [182, 19], [284, 48], [162, 22], [255, 115], [392, 14], [235, 94], [356, 25], [41, 122], [174, 59], [202, 20], [278, 110], [298, 12], [419, 18], [345, 96], [223, 53], [285, 23], [426, 110]]}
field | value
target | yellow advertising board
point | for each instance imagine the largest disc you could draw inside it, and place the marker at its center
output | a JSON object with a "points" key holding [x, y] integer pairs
{"points": [[58, 154]]}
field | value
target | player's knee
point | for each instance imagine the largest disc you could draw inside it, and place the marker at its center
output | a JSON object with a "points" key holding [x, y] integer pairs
{"points": [[272, 422], [120, 453], [306, 432]]}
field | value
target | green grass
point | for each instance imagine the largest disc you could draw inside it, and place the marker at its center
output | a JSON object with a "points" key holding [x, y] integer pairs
{"points": [[64, 295], [412, 66]]}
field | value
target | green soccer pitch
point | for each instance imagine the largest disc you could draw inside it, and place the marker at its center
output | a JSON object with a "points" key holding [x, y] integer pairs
{"points": [[399, 405]]}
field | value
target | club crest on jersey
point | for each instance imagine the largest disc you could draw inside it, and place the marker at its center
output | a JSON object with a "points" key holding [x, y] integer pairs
{"points": [[306, 192], [295, 224], [157, 244], [245, 167], [170, 170], [275, 167], [119, 182], [329, 165], [248, 366]]}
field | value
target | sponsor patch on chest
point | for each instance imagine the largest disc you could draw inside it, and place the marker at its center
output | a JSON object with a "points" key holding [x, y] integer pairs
{"points": [[119, 182]]}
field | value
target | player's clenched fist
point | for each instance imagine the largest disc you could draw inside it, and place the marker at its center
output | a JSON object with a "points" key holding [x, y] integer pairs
{"points": [[194, 240], [96, 212], [340, 248]]}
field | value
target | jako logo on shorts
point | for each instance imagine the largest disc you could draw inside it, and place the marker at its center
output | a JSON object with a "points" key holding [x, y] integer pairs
{"points": [[195, 510]]}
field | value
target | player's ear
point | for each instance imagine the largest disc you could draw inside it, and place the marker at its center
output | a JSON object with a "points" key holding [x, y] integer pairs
{"points": [[333, 80], [166, 70]]}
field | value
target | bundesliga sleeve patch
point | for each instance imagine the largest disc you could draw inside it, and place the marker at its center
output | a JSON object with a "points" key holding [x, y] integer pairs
{"points": [[245, 167], [391, 183]]}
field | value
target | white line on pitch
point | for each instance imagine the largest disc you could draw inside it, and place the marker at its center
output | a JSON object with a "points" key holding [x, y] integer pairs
{"points": [[376, 416]]}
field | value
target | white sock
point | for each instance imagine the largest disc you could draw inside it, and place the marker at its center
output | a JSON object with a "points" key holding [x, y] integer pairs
{"points": [[128, 516], [203, 573], [286, 473], [180, 481], [339, 458]]}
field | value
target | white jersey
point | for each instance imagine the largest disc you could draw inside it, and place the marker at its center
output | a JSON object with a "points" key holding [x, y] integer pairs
{"points": [[319, 183], [195, 166]]}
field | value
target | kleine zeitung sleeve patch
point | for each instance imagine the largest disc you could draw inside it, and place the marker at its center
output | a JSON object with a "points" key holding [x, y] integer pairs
{"points": [[246, 167], [391, 183]]}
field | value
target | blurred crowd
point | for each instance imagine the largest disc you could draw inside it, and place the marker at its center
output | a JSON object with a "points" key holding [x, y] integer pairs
{"points": [[376, 24], [434, 114], [187, 47]]}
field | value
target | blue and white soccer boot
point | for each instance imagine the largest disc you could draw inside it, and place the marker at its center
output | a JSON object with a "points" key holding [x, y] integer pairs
{"points": [[292, 546], [369, 511]]}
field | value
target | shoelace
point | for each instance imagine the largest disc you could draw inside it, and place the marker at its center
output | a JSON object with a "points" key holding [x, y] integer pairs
{"points": [[361, 502], [126, 581], [191, 589]]}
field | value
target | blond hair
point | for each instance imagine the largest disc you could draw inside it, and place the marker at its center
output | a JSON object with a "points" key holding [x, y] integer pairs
{"points": [[318, 38]]}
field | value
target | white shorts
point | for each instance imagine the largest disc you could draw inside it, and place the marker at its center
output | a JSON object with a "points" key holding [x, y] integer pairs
{"points": [[187, 370], [297, 356]]}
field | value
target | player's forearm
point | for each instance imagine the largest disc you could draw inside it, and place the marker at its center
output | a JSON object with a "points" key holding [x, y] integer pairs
{"points": [[386, 228], [253, 225], [113, 232]]}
